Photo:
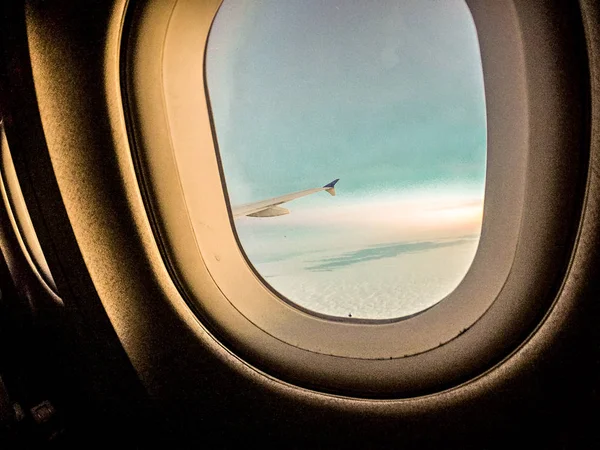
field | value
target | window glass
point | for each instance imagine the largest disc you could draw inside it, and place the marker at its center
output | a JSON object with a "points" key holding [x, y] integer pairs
{"points": [[387, 97]]}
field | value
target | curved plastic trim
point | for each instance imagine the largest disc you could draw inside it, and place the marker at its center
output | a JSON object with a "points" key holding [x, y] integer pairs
{"points": [[21, 221]]}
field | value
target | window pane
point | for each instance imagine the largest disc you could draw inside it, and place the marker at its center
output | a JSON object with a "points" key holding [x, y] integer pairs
{"points": [[388, 97]]}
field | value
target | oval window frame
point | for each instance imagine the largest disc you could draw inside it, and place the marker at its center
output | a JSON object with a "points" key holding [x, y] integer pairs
{"points": [[396, 357]]}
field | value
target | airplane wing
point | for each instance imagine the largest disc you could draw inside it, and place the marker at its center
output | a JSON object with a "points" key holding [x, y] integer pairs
{"points": [[270, 208]]}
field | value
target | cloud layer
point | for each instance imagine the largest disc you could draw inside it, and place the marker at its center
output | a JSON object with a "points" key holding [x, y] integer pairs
{"points": [[376, 257]]}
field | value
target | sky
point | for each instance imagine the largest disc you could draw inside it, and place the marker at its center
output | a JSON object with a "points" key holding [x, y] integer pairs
{"points": [[386, 95]]}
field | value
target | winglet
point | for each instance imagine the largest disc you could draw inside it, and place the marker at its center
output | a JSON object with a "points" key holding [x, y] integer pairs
{"points": [[331, 186]]}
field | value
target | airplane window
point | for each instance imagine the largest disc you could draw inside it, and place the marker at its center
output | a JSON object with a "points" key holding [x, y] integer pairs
{"points": [[382, 107], [228, 132]]}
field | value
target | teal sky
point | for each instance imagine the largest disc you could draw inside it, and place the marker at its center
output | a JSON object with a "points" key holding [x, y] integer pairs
{"points": [[382, 94], [386, 95]]}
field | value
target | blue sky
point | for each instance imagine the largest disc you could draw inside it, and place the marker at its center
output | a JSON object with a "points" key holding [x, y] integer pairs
{"points": [[386, 95]]}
